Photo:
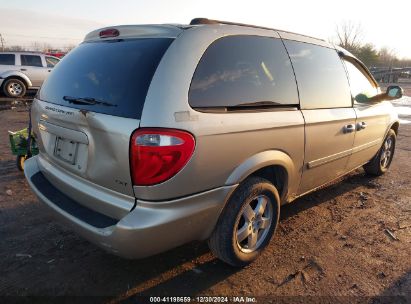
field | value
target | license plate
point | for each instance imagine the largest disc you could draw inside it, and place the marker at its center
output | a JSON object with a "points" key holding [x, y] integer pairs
{"points": [[66, 149]]}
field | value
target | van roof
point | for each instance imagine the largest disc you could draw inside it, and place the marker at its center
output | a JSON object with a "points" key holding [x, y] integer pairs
{"points": [[173, 30], [206, 21]]}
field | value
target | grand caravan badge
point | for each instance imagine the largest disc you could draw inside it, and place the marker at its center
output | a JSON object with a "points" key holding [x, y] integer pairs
{"points": [[59, 110]]}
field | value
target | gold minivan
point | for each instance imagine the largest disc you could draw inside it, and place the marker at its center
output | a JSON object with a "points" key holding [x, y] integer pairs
{"points": [[152, 136]]}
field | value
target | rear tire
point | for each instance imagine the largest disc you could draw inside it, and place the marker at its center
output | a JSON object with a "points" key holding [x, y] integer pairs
{"points": [[247, 223], [14, 88], [382, 160]]}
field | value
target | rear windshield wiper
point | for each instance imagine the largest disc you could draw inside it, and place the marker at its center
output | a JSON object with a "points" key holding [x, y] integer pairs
{"points": [[257, 104], [247, 106], [88, 101]]}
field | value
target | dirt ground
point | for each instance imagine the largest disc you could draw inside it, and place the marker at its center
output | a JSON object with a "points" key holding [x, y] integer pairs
{"points": [[347, 243]]}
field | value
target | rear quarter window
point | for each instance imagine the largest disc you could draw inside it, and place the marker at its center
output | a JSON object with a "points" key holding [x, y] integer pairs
{"points": [[51, 61], [243, 70], [31, 60], [118, 72]]}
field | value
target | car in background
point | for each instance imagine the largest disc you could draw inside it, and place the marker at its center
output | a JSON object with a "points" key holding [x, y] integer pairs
{"points": [[20, 71], [56, 53]]}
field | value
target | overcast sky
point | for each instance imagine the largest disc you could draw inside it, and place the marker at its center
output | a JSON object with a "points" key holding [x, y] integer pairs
{"points": [[384, 23]]}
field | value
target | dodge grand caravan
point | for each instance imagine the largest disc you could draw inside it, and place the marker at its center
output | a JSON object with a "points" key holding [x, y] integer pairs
{"points": [[152, 136]]}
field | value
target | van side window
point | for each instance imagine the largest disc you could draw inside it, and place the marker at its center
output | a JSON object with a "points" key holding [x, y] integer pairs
{"points": [[321, 77], [31, 60], [361, 87], [7, 59], [243, 71]]}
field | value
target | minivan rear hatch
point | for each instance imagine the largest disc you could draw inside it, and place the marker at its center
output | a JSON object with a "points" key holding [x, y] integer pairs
{"points": [[89, 106], [111, 76]]}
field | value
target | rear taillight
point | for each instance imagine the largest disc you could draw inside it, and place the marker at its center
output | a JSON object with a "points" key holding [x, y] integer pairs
{"points": [[156, 155]]}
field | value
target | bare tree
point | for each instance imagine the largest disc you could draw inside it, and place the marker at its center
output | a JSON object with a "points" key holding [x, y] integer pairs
{"points": [[2, 42], [40, 46], [14, 48], [387, 57], [349, 36], [69, 47]]}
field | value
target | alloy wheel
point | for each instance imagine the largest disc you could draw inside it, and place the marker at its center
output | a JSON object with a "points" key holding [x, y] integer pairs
{"points": [[253, 225], [386, 154], [14, 88]]}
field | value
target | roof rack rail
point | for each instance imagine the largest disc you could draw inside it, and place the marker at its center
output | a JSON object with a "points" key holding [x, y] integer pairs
{"points": [[33, 52], [199, 21]]}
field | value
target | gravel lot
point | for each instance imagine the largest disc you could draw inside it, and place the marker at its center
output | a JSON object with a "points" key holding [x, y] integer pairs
{"points": [[349, 242]]}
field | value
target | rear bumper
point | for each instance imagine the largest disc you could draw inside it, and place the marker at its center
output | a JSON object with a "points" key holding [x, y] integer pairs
{"points": [[150, 228]]}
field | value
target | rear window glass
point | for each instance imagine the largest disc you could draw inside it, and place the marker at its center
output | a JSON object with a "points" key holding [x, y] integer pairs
{"points": [[244, 71], [7, 59], [117, 72], [31, 60]]}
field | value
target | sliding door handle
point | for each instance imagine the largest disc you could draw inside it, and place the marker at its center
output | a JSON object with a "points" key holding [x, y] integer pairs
{"points": [[361, 125], [349, 128]]}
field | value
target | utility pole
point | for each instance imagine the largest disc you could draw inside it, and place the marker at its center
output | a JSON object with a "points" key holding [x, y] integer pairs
{"points": [[2, 43]]}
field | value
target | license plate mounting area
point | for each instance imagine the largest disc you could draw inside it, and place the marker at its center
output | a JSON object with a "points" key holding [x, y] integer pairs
{"points": [[66, 150]]}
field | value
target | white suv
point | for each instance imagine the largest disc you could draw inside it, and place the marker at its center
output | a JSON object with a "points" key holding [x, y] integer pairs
{"points": [[20, 71]]}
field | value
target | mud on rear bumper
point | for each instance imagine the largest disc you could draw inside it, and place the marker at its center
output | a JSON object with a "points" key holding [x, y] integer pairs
{"points": [[150, 228]]}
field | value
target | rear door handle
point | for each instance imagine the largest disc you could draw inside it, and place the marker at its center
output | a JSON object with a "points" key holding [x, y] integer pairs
{"points": [[349, 128], [361, 125], [23, 69]]}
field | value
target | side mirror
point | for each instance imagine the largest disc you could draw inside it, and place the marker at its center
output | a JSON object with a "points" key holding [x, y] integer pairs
{"points": [[394, 92]]}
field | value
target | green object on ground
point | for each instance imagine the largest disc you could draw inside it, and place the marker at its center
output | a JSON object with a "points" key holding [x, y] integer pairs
{"points": [[18, 142]]}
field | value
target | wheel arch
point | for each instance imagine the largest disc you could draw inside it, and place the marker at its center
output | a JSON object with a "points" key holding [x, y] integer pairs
{"points": [[275, 166], [395, 126], [19, 76]]}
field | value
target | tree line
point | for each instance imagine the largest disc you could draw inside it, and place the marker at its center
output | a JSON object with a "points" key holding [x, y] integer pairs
{"points": [[348, 36], [38, 47]]}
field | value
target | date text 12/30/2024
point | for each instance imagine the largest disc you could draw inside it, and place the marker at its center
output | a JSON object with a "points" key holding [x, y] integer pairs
{"points": [[203, 299]]}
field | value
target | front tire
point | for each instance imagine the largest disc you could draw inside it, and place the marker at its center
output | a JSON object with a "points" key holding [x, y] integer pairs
{"points": [[247, 223], [14, 87], [382, 161]]}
